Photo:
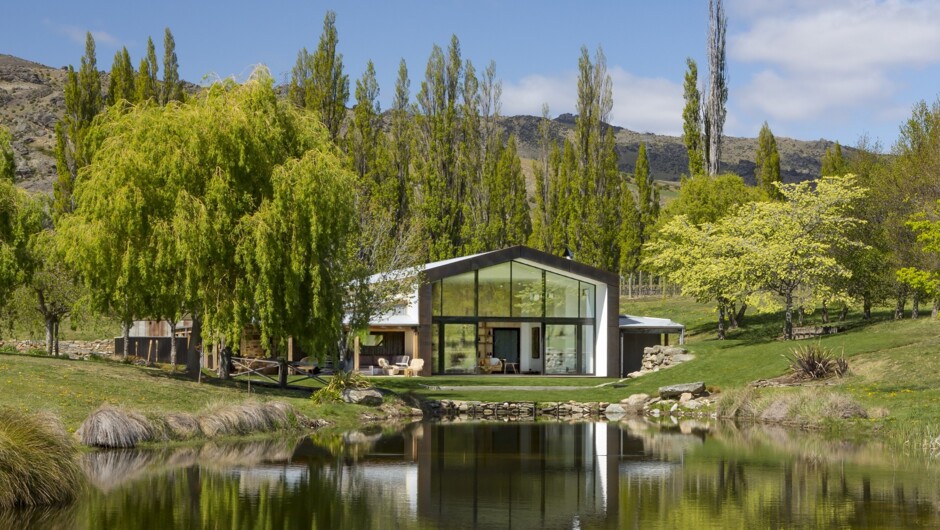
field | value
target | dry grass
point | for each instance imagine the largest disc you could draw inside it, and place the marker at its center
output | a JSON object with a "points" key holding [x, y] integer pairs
{"points": [[223, 419], [38, 461], [182, 426], [115, 427], [804, 406]]}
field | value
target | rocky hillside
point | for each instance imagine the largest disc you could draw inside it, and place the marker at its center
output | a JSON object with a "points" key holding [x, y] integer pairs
{"points": [[31, 102]]}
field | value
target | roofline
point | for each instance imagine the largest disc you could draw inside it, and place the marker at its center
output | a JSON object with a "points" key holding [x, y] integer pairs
{"points": [[487, 259]]}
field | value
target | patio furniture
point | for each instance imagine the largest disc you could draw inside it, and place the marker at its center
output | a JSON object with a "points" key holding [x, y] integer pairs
{"points": [[401, 361], [414, 367], [491, 364], [510, 366], [387, 368]]}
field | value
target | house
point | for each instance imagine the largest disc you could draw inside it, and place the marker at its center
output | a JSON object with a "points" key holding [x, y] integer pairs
{"points": [[535, 312]]}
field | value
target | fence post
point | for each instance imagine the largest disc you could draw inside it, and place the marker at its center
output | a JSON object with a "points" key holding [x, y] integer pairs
{"points": [[282, 372]]}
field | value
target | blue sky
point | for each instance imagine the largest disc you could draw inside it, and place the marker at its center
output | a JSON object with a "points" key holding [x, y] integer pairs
{"points": [[833, 69]]}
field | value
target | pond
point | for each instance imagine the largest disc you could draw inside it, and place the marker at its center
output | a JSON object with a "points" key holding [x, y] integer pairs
{"points": [[507, 475]]}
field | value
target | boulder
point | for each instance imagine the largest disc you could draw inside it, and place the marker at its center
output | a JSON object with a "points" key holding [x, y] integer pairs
{"points": [[367, 396], [674, 391], [614, 411], [634, 404], [685, 397]]}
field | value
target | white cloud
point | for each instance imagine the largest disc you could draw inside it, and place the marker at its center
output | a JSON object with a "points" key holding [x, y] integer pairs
{"points": [[640, 103], [77, 34], [814, 57]]}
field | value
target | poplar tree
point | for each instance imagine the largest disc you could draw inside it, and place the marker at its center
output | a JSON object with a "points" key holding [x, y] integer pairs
{"points": [[767, 162], [172, 89], [318, 82], [122, 83], [399, 135], [544, 199], [148, 88], [7, 162], [83, 101], [692, 120], [362, 140], [717, 95], [833, 163]]}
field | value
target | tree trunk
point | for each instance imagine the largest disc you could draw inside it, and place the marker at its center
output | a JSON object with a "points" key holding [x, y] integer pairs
{"points": [[866, 308], [844, 313], [825, 313], [127, 338], [788, 321], [899, 307], [721, 321], [799, 315], [194, 352], [740, 316], [915, 306], [172, 344], [50, 332], [935, 309], [733, 315], [55, 337]]}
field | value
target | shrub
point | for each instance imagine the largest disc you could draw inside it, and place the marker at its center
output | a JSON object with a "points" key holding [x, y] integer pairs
{"points": [[38, 461], [340, 381], [817, 362], [112, 427]]}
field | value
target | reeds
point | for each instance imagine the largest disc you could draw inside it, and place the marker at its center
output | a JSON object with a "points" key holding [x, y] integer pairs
{"points": [[116, 427], [38, 461]]}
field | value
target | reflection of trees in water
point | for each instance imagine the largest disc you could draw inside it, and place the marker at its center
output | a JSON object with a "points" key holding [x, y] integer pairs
{"points": [[777, 477]]}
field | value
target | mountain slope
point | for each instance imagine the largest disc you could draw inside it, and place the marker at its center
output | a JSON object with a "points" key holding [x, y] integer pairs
{"points": [[31, 102]]}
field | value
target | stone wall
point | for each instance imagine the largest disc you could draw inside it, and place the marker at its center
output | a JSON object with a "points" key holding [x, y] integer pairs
{"points": [[71, 348], [512, 410]]}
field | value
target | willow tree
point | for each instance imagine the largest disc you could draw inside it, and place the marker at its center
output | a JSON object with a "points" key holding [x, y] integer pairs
{"points": [[231, 206]]}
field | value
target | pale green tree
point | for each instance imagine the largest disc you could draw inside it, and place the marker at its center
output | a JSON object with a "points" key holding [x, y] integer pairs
{"points": [[692, 120], [767, 162], [7, 160], [318, 82], [171, 88]]}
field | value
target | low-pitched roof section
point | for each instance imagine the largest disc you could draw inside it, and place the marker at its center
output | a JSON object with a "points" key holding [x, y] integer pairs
{"points": [[442, 269]]}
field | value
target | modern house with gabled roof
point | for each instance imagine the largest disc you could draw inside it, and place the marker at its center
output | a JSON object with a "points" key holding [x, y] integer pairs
{"points": [[515, 310]]}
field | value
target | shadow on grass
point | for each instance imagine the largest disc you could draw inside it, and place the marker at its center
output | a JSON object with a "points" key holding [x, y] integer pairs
{"points": [[264, 388]]}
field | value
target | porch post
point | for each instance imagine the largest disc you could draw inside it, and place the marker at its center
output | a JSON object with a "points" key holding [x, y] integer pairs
{"points": [[356, 353]]}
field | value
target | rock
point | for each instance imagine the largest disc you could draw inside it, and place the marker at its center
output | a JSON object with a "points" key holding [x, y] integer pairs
{"points": [[368, 396], [682, 357], [685, 397], [674, 391], [636, 374], [692, 405], [614, 411]]}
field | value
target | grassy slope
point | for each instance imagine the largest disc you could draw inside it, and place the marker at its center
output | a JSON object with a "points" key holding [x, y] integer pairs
{"points": [[895, 365]]}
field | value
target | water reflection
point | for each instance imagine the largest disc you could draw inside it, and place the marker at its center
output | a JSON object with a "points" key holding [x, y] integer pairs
{"points": [[499, 475]]}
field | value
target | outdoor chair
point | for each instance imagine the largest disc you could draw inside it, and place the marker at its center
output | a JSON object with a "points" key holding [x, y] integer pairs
{"points": [[491, 364], [401, 361], [387, 368], [415, 367]]}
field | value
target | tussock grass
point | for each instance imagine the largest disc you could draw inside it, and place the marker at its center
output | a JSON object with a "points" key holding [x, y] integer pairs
{"points": [[805, 407], [182, 426], [38, 461], [115, 427], [237, 419]]}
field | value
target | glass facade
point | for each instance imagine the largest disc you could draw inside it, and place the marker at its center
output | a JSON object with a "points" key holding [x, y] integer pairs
{"points": [[511, 293]]}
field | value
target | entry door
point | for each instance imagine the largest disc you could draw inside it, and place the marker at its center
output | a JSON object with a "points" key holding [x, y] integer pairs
{"points": [[506, 344]]}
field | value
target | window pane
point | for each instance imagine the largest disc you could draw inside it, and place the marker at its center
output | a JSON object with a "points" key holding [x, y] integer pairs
{"points": [[587, 300], [436, 298], [460, 356], [561, 296], [526, 291], [459, 297], [494, 291], [435, 348], [561, 354], [587, 349]]}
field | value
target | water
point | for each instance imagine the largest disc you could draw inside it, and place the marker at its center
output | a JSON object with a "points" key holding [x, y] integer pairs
{"points": [[503, 475]]}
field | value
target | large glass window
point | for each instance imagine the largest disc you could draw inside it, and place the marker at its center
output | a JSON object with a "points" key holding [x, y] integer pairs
{"points": [[435, 348], [436, 298], [587, 349], [460, 348], [561, 296], [561, 353], [459, 295], [527, 291], [493, 293], [587, 300]]}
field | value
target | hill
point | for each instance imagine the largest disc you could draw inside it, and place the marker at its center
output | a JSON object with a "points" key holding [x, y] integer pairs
{"points": [[31, 102]]}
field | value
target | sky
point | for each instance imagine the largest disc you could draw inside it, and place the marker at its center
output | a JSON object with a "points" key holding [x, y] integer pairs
{"points": [[833, 69]]}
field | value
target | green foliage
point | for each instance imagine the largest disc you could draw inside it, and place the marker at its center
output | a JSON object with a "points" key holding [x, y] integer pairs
{"points": [[147, 85], [342, 380], [247, 219], [767, 162], [816, 361], [172, 88], [692, 120], [7, 162], [706, 199], [318, 82], [122, 84], [833, 163]]}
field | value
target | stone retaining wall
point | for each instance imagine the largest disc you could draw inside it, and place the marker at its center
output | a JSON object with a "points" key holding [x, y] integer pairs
{"points": [[512, 410], [72, 348]]}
